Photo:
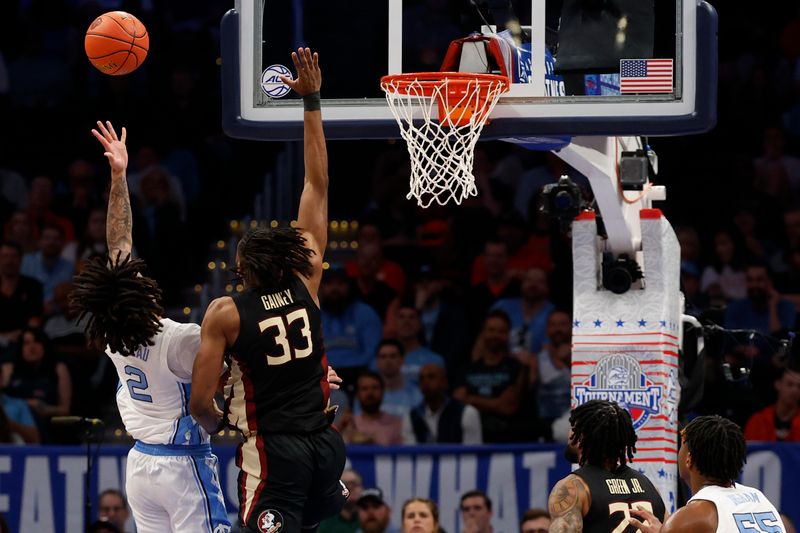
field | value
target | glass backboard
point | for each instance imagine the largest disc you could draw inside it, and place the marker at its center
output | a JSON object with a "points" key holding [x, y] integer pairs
{"points": [[580, 67]]}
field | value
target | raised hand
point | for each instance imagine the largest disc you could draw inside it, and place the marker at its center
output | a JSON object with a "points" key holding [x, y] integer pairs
{"points": [[309, 77], [115, 150]]}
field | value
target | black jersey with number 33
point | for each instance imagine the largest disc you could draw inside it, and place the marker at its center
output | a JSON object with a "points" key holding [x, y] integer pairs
{"points": [[613, 495], [278, 368]]}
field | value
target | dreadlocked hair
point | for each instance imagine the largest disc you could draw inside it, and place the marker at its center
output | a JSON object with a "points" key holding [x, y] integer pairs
{"points": [[604, 433], [717, 446], [267, 256], [120, 305]]}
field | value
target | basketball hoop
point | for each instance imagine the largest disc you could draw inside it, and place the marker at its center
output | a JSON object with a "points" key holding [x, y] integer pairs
{"points": [[441, 115]]}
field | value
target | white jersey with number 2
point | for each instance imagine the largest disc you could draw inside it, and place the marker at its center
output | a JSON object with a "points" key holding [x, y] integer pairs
{"points": [[742, 509]]}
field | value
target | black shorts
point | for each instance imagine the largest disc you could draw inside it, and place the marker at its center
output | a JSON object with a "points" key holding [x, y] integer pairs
{"points": [[290, 481]]}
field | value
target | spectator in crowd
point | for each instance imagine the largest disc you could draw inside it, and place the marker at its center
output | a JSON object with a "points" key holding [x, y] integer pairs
{"points": [[112, 507], [369, 288], [494, 380], [499, 283], [535, 521], [400, 395], [388, 271], [776, 172], [20, 230], [347, 519], [409, 333], [791, 228], [696, 302], [38, 377], [780, 421], [528, 314], [725, 276], [553, 369], [523, 253], [47, 265], [371, 425], [352, 330], [91, 243], [420, 515], [18, 421], [40, 210], [439, 418], [20, 296], [788, 282], [763, 310], [13, 189], [476, 512], [373, 513], [689, 241]]}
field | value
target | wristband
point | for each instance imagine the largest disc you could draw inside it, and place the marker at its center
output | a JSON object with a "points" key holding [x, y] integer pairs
{"points": [[311, 102]]}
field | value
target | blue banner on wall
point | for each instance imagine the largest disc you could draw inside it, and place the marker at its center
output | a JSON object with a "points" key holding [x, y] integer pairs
{"points": [[42, 488]]}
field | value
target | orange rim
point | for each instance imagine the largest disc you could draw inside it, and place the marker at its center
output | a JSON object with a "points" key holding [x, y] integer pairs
{"points": [[429, 81]]}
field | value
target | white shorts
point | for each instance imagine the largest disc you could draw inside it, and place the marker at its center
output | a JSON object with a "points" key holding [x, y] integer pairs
{"points": [[176, 489]]}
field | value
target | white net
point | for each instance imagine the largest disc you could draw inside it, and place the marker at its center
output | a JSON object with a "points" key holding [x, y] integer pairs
{"points": [[441, 121]]}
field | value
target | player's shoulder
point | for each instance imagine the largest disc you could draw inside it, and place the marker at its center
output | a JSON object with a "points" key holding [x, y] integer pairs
{"points": [[571, 488], [697, 516]]}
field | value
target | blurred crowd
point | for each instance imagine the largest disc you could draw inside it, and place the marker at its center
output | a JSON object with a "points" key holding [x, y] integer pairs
{"points": [[447, 324]]}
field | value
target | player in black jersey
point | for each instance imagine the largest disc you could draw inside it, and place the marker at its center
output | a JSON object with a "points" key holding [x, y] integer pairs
{"points": [[598, 497], [271, 337]]}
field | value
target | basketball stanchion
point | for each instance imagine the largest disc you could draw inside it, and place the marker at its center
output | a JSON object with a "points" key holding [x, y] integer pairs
{"points": [[441, 115]]}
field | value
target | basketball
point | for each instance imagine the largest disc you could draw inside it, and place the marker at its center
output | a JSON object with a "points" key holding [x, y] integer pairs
{"points": [[116, 43]]}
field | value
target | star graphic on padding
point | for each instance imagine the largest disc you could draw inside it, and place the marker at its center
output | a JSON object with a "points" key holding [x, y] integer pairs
{"points": [[642, 323], [662, 473], [598, 323], [576, 323], [663, 323], [620, 323]]}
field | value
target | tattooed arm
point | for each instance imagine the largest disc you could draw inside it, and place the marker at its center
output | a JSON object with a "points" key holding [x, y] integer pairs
{"points": [[119, 221], [569, 502]]}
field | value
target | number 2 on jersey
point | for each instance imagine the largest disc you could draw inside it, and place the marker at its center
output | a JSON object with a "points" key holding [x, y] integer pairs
{"points": [[625, 509], [281, 324], [137, 383]]}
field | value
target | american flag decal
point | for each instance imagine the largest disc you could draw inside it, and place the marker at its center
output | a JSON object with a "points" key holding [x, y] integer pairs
{"points": [[645, 76]]}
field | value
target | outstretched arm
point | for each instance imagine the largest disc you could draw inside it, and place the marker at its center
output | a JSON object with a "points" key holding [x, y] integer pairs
{"points": [[313, 213], [208, 363], [568, 503], [119, 221]]}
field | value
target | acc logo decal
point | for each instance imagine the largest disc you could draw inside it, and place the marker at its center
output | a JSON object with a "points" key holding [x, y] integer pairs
{"points": [[272, 85], [619, 378], [270, 521]]}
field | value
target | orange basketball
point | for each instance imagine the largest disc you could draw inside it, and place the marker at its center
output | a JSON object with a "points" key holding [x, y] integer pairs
{"points": [[116, 43]]}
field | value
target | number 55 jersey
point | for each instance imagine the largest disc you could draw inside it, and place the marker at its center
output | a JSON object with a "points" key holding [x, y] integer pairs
{"points": [[742, 509], [278, 368]]}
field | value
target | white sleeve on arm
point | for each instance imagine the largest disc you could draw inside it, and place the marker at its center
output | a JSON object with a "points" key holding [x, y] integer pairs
{"points": [[471, 426], [182, 350]]}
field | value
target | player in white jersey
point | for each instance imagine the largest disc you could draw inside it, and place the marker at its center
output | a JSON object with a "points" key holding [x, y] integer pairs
{"points": [[171, 475], [711, 457]]}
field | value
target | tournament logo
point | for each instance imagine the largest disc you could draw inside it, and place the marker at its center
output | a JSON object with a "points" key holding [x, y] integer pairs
{"points": [[270, 521], [619, 378], [272, 85]]}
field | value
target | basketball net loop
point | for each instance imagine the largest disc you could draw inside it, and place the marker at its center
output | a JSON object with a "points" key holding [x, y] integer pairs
{"points": [[441, 116]]}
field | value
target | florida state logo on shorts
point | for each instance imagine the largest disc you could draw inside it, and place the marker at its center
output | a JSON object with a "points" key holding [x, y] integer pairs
{"points": [[270, 521]]}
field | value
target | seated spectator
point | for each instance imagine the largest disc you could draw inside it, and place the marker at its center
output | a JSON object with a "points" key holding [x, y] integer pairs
{"points": [[352, 330], [476, 512], [369, 288], [373, 513], [20, 230], [726, 273], [791, 229], [20, 296], [38, 377], [776, 172], [493, 382], [389, 272], [780, 421], [499, 284], [535, 521], [409, 333], [40, 210], [400, 395], [19, 420], [112, 507], [13, 189], [763, 310], [91, 243], [440, 418], [420, 515], [47, 265], [347, 519], [553, 368], [372, 425], [528, 313]]}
